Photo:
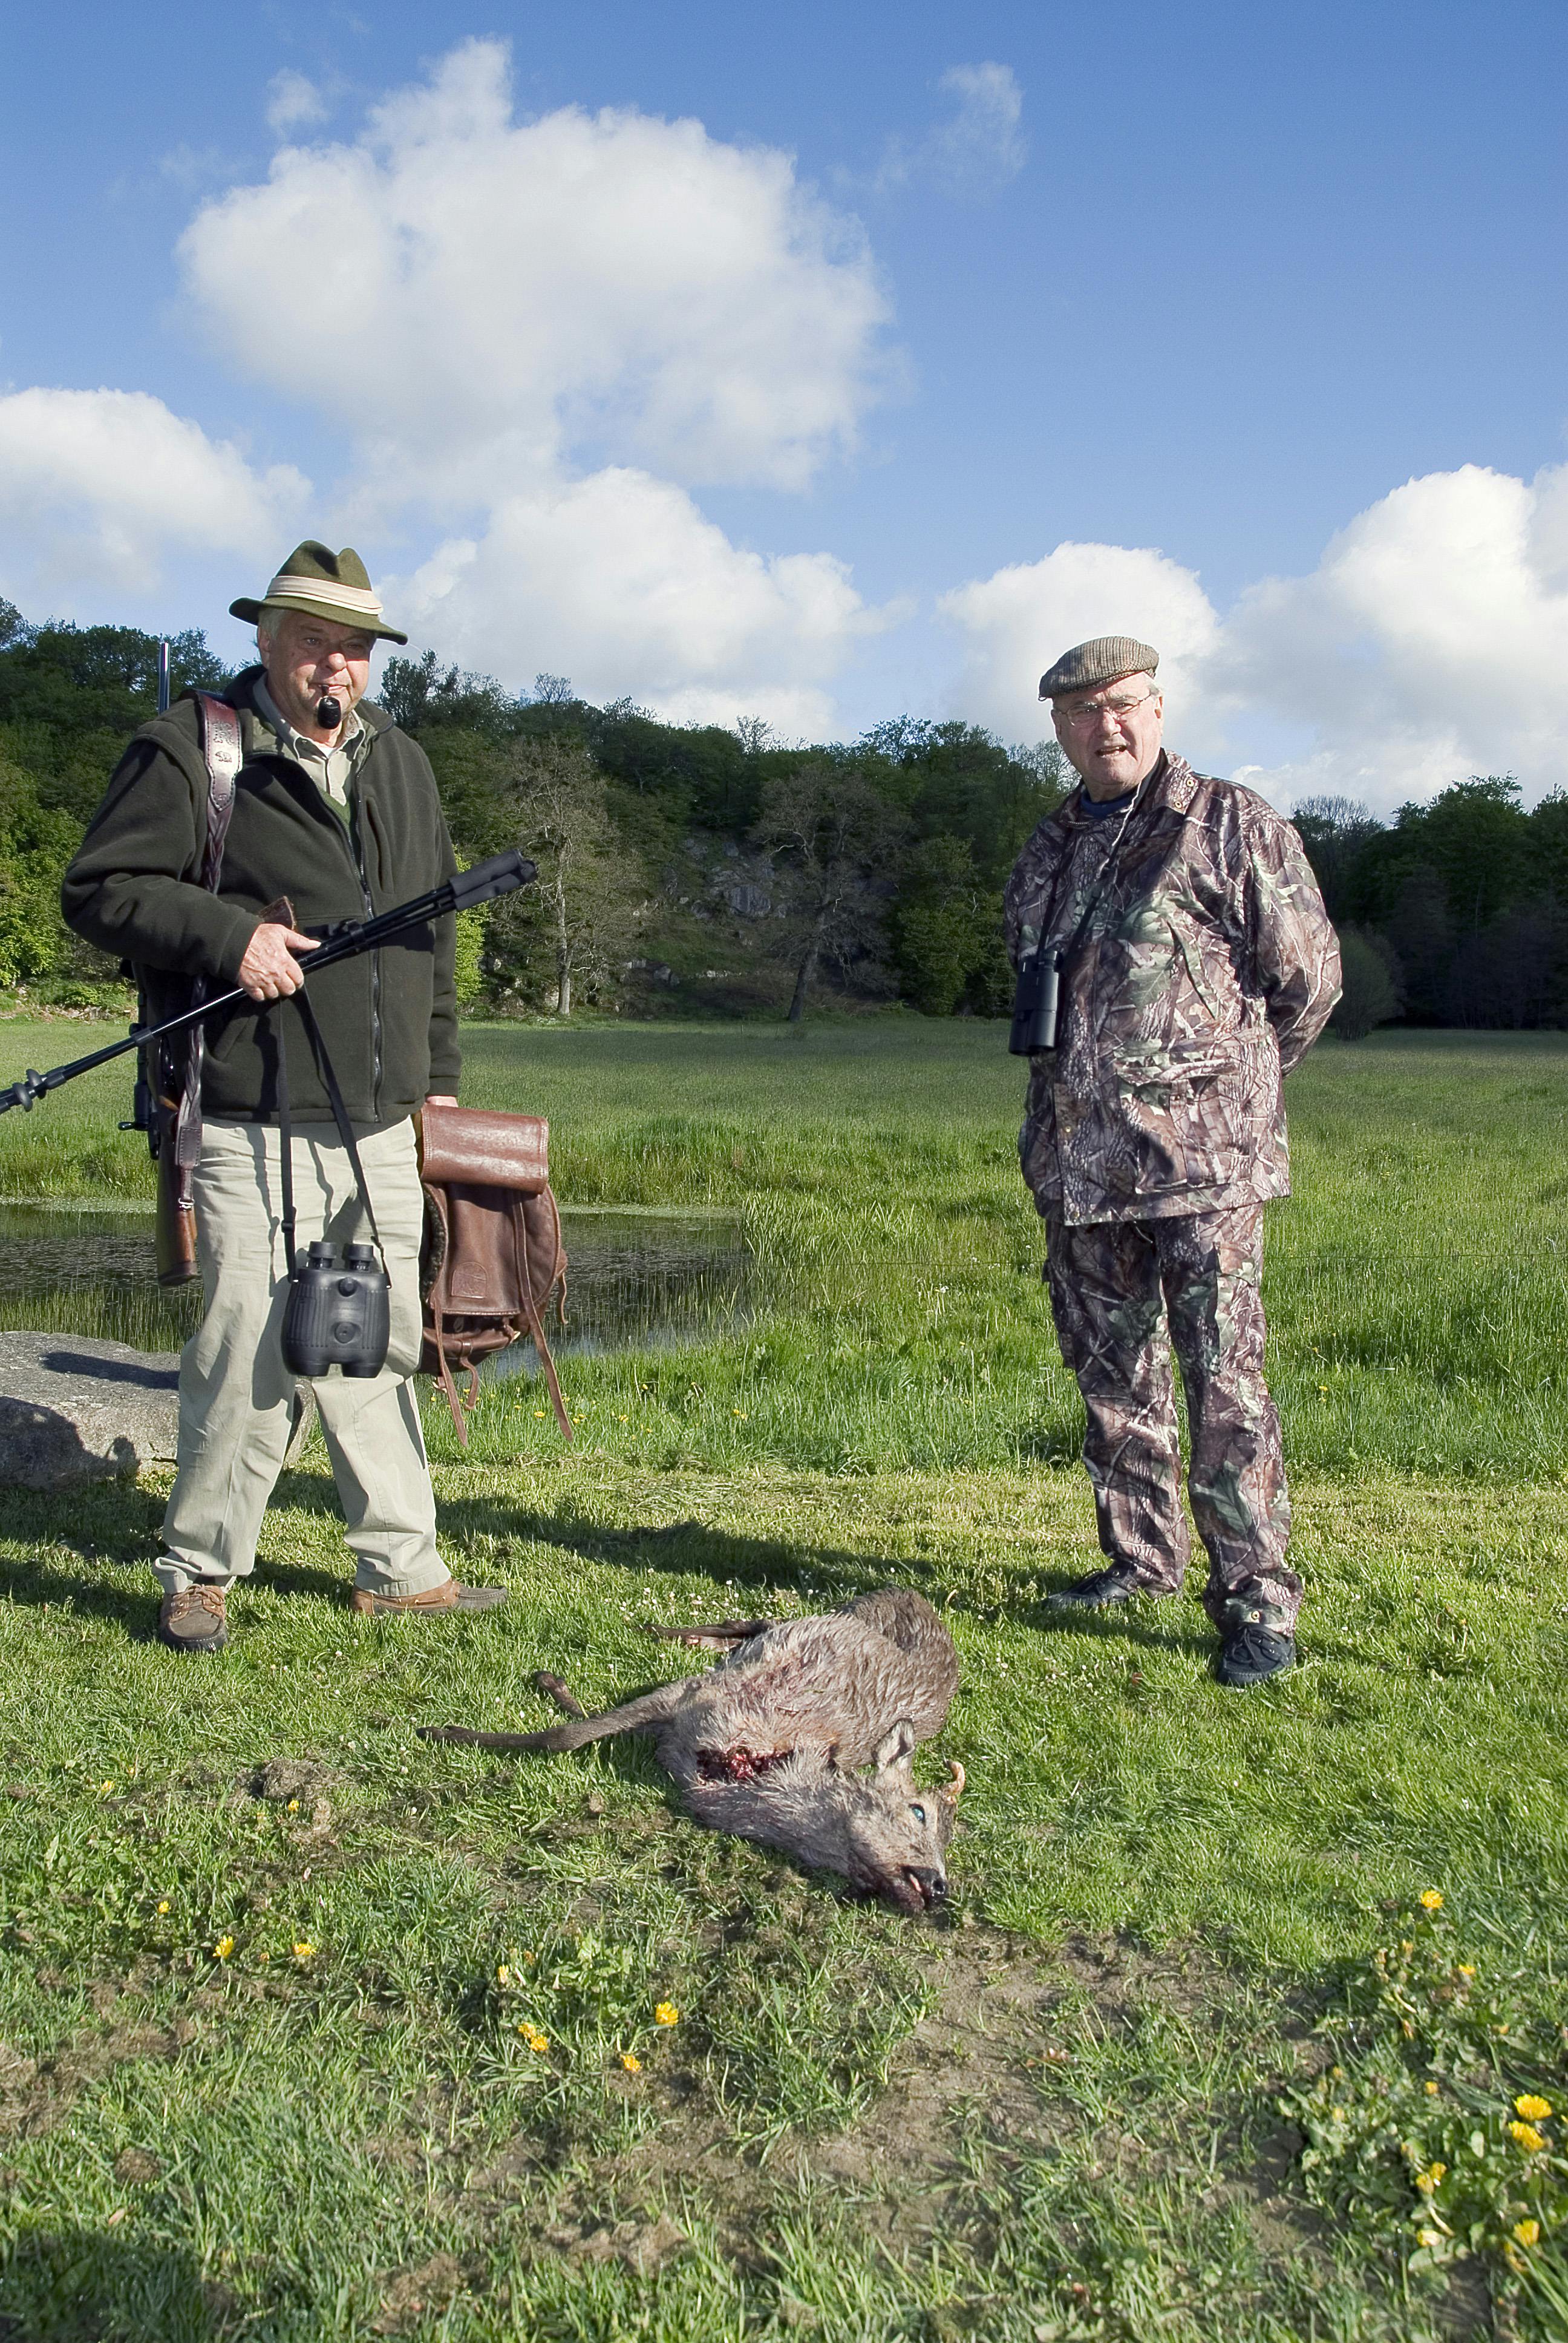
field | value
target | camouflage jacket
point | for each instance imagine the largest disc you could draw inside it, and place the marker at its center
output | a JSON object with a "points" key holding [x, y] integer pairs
{"points": [[1207, 968]]}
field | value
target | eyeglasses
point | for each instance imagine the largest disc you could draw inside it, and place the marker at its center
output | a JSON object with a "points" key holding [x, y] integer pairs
{"points": [[1090, 715]]}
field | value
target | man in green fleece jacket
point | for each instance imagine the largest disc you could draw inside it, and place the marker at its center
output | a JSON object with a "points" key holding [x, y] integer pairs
{"points": [[335, 811]]}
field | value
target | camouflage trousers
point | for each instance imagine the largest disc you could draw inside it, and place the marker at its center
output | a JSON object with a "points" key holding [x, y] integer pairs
{"points": [[1124, 1295]]}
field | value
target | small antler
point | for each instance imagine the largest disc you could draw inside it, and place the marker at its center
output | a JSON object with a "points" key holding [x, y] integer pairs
{"points": [[956, 1788]]}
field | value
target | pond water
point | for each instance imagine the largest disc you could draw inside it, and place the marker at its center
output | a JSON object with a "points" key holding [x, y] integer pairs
{"points": [[633, 1279]]}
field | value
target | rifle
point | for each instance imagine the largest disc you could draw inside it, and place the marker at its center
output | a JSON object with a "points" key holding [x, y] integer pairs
{"points": [[344, 939]]}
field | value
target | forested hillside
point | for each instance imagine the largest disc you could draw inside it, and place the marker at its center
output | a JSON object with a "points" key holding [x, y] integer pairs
{"points": [[703, 870]]}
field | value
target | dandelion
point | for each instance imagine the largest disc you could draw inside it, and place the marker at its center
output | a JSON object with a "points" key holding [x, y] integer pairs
{"points": [[104, 1787], [1432, 2090], [1431, 1901], [503, 1974], [667, 2014], [538, 2043], [302, 1951], [224, 1948], [1527, 2232], [1533, 2108], [163, 1909], [1526, 2137], [631, 2062], [1432, 2179], [539, 1410], [294, 1805], [1467, 1968]]}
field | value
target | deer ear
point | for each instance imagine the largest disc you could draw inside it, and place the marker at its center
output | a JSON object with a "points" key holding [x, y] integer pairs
{"points": [[897, 1747]]}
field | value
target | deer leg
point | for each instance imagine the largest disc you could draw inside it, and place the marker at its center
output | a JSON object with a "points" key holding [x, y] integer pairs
{"points": [[563, 1697], [641, 1715], [722, 1636]]}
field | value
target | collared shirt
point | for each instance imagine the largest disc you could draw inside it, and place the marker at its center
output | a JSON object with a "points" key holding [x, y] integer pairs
{"points": [[332, 769]]}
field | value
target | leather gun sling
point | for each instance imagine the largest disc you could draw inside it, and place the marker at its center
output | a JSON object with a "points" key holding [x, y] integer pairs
{"points": [[219, 729]]}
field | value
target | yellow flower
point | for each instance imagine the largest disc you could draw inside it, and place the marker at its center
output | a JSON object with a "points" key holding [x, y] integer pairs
{"points": [[1527, 2232], [1430, 2238], [294, 1805], [1467, 1968], [224, 1946], [1430, 1900], [302, 1951], [1432, 2090], [1432, 2177], [163, 1908], [503, 1974], [538, 2043], [667, 2014], [539, 1410], [1533, 2108], [1526, 2137], [630, 2061], [104, 1787]]}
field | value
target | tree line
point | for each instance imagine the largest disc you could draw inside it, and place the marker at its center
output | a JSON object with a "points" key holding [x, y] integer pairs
{"points": [[701, 869]]}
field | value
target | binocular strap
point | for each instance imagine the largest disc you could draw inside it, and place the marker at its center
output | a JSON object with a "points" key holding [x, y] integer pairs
{"points": [[324, 1067]]}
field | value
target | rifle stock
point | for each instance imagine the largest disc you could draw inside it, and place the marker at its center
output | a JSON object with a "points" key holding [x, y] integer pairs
{"points": [[176, 1226]]}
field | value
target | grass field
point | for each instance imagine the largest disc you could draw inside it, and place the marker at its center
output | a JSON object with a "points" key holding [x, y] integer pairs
{"points": [[1187, 2055]]}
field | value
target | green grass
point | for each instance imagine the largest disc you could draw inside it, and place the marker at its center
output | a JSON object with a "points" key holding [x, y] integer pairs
{"points": [[1074, 2108]]}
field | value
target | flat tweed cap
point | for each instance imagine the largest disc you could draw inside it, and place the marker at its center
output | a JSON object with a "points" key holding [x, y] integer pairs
{"points": [[325, 585], [1087, 665]]}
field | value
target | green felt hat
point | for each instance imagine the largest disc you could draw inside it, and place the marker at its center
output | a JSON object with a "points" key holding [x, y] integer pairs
{"points": [[325, 585]]}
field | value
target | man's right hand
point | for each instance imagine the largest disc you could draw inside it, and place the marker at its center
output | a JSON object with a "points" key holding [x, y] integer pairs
{"points": [[269, 970]]}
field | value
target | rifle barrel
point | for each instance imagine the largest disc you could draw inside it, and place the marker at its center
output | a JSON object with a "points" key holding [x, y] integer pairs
{"points": [[499, 876]]}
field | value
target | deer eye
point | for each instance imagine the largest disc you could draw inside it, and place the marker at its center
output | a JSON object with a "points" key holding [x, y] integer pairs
{"points": [[919, 1813]]}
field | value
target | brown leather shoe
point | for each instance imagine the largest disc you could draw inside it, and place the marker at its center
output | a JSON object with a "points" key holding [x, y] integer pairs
{"points": [[196, 1620], [447, 1596]]}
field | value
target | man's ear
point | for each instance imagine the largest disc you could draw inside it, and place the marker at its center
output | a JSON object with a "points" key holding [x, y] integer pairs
{"points": [[897, 1747]]}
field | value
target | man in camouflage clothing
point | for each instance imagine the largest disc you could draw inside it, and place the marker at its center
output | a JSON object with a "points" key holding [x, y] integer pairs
{"points": [[1198, 967]]}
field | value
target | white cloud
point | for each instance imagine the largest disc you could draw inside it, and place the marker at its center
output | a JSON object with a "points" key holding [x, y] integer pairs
{"points": [[1016, 622], [101, 489], [579, 289], [293, 103], [1424, 647], [619, 582], [977, 151]]}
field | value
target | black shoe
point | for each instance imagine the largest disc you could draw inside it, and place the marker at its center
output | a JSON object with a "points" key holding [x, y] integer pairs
{"points": [[1255, 1646], [1100, 1589]]}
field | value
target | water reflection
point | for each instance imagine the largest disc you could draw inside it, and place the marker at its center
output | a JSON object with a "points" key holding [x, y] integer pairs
{"points": [[635, 1279]]}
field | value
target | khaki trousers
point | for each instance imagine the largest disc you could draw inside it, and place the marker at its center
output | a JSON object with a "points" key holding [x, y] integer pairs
{"points": [[235, 1394]]}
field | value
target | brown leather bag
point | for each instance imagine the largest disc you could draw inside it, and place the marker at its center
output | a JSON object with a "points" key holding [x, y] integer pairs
{"points": [[492, 1260]]}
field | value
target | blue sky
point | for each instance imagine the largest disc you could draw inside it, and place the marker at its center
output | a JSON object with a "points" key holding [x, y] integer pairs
{"points": [[1207, 282]]}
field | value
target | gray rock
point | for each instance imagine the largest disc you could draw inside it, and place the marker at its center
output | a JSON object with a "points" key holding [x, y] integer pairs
{"points": [[72, 1408]]}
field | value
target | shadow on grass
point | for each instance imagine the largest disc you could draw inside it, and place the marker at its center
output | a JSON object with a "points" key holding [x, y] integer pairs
{"points": [[690, 1549], [65, 2285]]}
